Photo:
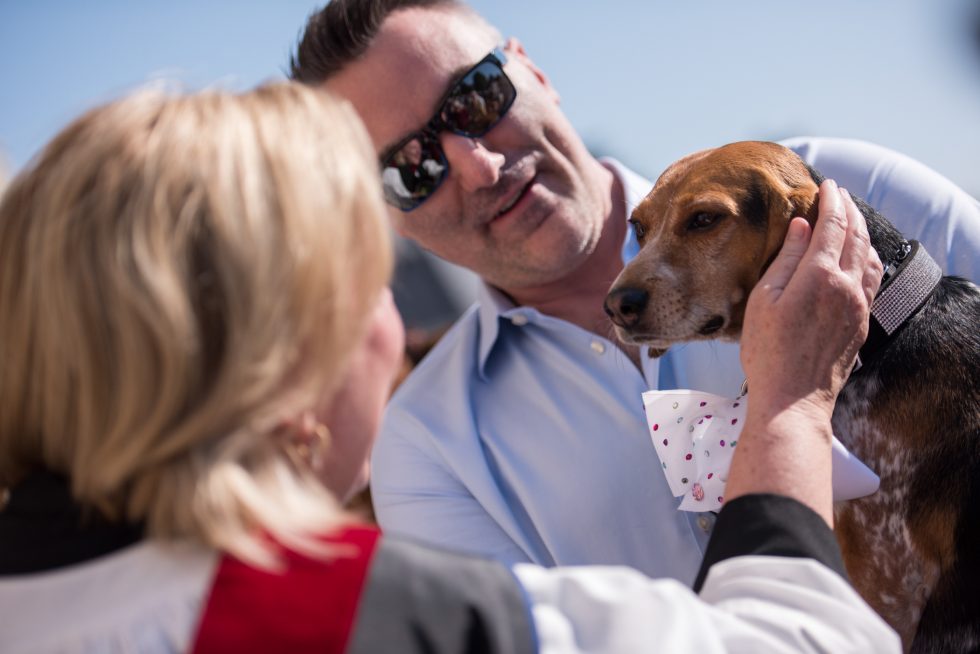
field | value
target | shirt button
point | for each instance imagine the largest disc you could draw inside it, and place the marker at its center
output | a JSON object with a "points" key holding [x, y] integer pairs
{"points": [[704, 523], [598, 347], [518, 319]]}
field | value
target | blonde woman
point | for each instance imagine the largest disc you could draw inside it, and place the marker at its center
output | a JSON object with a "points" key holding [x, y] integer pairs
{"points": [[196, 343]]}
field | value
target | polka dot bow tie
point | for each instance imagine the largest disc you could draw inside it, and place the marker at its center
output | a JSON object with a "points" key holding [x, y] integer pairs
{"points": [[695, 435]]}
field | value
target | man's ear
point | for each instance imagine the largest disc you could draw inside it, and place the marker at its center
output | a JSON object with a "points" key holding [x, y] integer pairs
{"points": [[515, 49]]}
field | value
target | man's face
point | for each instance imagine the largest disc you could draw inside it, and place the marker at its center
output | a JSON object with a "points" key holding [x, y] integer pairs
{"points": [[521, 205]]}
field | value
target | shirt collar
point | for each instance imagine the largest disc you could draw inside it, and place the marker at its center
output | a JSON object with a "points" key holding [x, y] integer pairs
{"points": [[494, 305]]}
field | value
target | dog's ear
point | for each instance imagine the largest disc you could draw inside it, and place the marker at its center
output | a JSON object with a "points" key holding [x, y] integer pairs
{"points": [[806, 182], [798, 184], [789, 195], [803, 202], [755, 204], [769, 203]]}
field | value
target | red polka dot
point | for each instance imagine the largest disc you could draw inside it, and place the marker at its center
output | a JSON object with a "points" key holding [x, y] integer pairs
{"points": [[656, 427], [688, 457], [702, 404], [734, 420], [710, 475], [722, 443], [665, 441]]}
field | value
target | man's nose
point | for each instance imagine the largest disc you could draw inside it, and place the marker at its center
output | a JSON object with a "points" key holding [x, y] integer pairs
{"points": [[474, 164]]}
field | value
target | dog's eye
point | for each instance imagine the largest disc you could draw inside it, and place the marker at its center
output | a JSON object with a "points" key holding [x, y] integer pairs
{"points": [[638, 228], [702, 220]]}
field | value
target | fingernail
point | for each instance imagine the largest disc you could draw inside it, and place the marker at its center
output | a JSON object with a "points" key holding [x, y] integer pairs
{"points": [[833, 187], [795, 232], [843, 192]]}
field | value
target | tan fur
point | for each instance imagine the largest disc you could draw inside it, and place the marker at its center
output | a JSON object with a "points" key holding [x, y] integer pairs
{"points": [[675, 264]]}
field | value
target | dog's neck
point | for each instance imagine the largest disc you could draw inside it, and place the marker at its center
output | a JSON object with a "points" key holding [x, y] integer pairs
{"points": [[885, 239], [909, 279], [910, 276]]}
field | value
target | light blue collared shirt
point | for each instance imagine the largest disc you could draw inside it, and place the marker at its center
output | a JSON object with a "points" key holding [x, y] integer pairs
{"points": [[522, 436]]}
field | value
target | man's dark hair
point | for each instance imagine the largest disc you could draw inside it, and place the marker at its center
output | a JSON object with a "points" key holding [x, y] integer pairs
{"points": [[340, 33]]}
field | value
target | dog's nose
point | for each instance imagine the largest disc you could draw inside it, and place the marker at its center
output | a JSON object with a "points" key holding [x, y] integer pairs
{"points": [[624, 305]]}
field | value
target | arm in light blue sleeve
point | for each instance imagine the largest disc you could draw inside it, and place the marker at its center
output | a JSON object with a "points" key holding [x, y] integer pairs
{"points": [[921, 203], [418, 495]]}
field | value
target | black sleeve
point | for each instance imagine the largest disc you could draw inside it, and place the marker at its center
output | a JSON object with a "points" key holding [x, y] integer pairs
{"points": [[771, 525], [421, 599]]}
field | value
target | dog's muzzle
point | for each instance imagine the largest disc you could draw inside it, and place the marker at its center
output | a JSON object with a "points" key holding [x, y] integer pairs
{"points": [[624, 306]]}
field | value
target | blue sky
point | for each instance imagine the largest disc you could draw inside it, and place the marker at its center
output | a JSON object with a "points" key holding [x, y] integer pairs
{"points": [[644, 81]]}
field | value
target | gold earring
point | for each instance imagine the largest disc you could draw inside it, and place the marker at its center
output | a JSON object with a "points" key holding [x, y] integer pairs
{"points": [[317, 447], [307, 442]]}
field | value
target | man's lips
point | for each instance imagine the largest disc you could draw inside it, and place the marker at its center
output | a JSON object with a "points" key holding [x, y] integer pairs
{"points": [[507, 206], [512, 198]]}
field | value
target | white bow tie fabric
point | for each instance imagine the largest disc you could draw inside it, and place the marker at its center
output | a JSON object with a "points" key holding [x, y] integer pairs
{"points": [[695, 435]]}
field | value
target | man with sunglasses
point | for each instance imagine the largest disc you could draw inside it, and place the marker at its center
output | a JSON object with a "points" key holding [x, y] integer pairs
{"points": [[522, 435]]}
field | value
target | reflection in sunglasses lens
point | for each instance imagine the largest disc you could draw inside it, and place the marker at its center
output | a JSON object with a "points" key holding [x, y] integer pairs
{"points": [[478, 101], [473, 106], [413, 172]]}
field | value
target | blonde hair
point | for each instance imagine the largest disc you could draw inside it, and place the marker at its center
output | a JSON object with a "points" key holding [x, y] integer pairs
{"points": [[178, 274]]}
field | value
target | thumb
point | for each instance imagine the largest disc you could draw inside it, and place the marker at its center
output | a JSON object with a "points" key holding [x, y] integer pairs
{"points": [[781, 270]]}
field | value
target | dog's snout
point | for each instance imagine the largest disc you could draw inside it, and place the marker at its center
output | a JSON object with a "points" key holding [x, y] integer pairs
{"points": [[625, 305]]}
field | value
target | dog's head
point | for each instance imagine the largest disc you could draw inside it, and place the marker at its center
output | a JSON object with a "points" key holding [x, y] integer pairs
{"points": [[707, 231]]}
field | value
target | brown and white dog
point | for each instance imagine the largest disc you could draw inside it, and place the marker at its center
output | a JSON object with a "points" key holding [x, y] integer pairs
{"points": [[911, 411]]}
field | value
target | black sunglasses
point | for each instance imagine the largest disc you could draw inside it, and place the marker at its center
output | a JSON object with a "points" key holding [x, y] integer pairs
{"points": [[413, 169]]}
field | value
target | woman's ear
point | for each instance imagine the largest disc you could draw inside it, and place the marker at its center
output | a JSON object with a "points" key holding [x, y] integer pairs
{"points": [[515, 49]]}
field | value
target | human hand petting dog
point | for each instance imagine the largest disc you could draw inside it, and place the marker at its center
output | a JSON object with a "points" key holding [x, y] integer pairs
{"points": [[808, 315], [805, 321]]}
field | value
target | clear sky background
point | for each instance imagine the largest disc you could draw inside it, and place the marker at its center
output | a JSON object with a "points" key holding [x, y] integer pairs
{"points": [[645, 81]]}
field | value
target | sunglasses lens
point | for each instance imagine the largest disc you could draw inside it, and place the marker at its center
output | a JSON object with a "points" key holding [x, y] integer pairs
{"points": [[479, 100], [413, 172]]}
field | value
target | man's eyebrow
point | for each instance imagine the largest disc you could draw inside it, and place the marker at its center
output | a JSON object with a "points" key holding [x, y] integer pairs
{"points": [[454, 79]]}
